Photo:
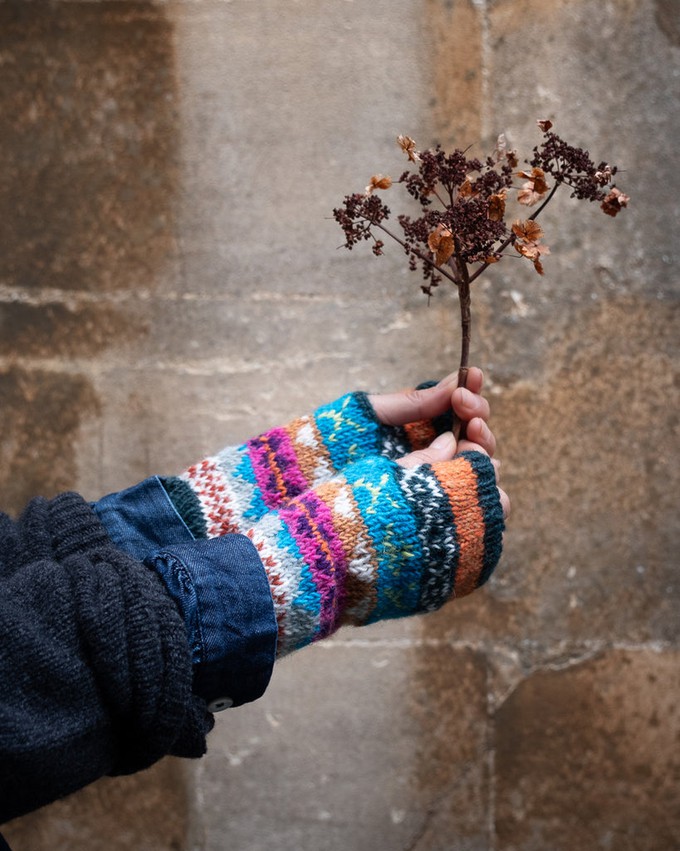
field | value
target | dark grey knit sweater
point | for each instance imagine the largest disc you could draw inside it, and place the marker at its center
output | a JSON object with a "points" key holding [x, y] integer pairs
{"points": [[95, 670]]}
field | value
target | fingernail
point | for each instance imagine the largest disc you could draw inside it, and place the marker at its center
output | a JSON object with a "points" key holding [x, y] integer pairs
{"points": [[444, 441], [466, 396]]}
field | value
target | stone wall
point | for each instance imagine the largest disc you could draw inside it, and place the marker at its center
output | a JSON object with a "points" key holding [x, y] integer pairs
{"points": [[169, 283]]}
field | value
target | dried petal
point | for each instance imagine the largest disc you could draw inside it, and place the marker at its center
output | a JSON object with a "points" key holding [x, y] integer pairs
{"points": [[540, 185], [444, 251], [528, 233], [534, 189], [497, 206], [527, 196], [441, 243], [501, 152], [603, 175], [528, 230], [378, 181], [545, 124], [465, 190], [531, 249], [615, 202], [408, 146], [501, 149]]}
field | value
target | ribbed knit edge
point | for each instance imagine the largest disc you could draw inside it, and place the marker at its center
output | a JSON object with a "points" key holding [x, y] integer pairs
{"points": [[186, 504], [492, 510], [74, 527]]}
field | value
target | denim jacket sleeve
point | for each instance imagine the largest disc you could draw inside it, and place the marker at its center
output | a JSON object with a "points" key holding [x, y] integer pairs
{"points": [[219, 586]]}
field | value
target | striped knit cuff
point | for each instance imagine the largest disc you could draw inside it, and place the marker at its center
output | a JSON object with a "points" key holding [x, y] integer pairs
{"points": [[380, 542], [230, 491]]}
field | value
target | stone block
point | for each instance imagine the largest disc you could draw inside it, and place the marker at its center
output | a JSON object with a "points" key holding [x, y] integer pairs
{"points": [[587, 756], [358, 747], [455, 46], [88, 118], [147, 812], [42, 416]]}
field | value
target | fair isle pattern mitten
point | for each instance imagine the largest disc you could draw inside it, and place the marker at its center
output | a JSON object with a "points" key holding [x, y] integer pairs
{"points": [[379, 541], [230, 491]]}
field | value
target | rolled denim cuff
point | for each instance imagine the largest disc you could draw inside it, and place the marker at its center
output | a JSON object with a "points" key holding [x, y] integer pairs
{"points": [[219, 586], [221, 589], [141, 520]]}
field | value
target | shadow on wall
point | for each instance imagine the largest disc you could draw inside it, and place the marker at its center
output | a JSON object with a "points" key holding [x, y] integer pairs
{"points": [[87, 192]]}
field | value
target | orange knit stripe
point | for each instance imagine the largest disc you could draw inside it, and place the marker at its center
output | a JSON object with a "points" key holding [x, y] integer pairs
{"points": [[344, 527], [421, 434], [274, 468], [360, 596], [308, 457], [459, 482]]}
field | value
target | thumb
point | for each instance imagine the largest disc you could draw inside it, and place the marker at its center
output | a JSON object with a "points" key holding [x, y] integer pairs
{"points": [[443, 448]]}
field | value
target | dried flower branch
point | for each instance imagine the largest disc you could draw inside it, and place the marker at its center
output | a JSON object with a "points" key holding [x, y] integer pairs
{"points": [[462, 228]]}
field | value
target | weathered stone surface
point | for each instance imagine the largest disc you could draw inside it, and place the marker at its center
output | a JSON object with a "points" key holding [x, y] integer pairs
{"points": [[42, 414], [456, 46], [587, 756], [169, 283], [147, 812], [310, 120], [88, 121], [354, 747], [57, 329]]}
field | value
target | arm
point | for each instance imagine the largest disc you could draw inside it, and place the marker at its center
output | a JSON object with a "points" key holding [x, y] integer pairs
{"points": [[113, 653], [449, 501], [95, 672]]}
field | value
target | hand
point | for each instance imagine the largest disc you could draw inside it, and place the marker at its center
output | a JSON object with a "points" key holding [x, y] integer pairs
{"points": [[400, 409], [228, 491]]}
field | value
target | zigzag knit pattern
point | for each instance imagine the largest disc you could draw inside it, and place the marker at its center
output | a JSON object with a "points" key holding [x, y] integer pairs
{"points": [[230, 491], [378, 542]]}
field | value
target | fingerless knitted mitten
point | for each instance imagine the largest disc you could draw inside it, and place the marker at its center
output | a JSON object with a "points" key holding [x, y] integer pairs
{"points": [[380, 541], [231, 490]]}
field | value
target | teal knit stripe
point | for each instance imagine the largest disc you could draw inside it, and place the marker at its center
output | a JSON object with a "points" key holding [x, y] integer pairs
{"points": [[187, 504]]}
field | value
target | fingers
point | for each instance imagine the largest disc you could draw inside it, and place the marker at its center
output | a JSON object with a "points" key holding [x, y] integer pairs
{"points": [[478, 432], [468, 405], [414, 405], [441, 449], [505, 503]]}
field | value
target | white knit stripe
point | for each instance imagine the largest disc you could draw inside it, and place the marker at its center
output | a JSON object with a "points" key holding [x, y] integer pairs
{"points": [[394, 443], [284, 568], [361, 561], [422, 489], [213, 490], [242, 493]]}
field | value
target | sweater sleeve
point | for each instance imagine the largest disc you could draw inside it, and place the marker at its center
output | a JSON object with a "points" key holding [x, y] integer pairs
{"points": [[95, 666]]}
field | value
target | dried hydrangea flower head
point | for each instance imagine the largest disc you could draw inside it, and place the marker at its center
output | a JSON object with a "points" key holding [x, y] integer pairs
{"points": [[462, 227]]}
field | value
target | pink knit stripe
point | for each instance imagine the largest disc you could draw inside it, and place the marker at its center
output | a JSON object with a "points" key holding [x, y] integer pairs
{"points": [[276, 467], [310, 522]]}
